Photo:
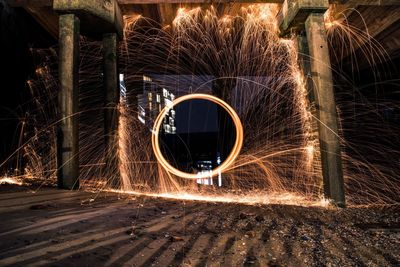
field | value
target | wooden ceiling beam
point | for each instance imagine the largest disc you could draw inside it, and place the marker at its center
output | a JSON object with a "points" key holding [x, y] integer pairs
{"points": [[21, 3], [46, 17], [34, 3], [132, 2], [391, 49], [370, 2], [167, 14], [375, 28]]}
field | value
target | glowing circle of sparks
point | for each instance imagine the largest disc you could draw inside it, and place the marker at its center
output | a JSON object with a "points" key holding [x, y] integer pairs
{"points": [[221, 168]]}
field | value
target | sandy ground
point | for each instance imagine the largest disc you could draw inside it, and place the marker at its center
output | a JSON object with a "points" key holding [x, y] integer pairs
{"points": [[64, 228]]}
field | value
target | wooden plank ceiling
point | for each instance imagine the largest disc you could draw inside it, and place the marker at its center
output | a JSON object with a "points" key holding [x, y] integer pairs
{"points": [[382, 17]]}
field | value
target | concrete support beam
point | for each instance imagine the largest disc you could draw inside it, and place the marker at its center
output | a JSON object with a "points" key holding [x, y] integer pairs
{"points": [[97, 16], [326, 109], [294, 13], [68, 138], [307, 16], [112, 95]]}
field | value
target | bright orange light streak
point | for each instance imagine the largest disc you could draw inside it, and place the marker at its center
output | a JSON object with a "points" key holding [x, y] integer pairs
{"points": [[221, 168]]}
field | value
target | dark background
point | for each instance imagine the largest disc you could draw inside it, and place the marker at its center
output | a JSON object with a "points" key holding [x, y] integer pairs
{"points": [[19, 32]]}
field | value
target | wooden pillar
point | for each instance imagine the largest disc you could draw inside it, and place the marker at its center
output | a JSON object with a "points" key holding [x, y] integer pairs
{"points": [[326, 108], [68, 139], [111, 114]]}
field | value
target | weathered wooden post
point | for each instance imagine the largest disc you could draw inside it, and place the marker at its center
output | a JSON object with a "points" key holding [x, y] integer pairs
{"points": [[112, 95], [68, 137], [326, 108], [101, 20], [308, 16]]}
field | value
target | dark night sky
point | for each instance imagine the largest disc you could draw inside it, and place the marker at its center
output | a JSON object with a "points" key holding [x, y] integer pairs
{"points": [[196, 116]]}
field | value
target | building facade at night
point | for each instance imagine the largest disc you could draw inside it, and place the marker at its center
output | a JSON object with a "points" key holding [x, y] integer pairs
{"points": [[152, 99]]}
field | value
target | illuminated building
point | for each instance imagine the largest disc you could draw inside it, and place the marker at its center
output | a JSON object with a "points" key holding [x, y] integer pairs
{"points": [[152, 99]]}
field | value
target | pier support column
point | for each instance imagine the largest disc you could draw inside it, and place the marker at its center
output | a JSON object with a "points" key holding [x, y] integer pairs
{"points": [[111, 113], [308, 16], [100, 19], [68, 138], [329, 140]]}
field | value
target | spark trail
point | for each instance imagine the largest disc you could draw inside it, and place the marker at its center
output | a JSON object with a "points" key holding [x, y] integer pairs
{"points": [[239, 57]]}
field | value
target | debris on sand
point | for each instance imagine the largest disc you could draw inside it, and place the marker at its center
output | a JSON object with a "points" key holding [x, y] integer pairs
{"points": [[175, 238]]}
